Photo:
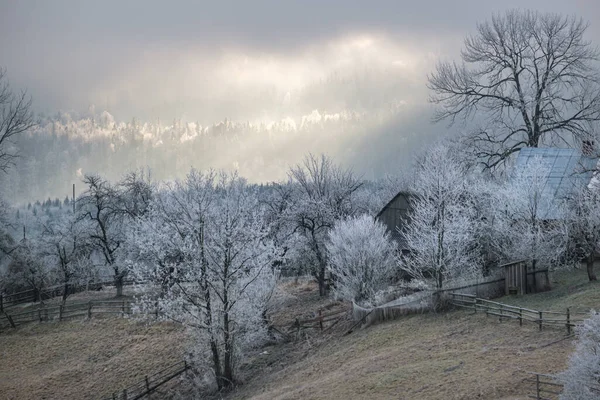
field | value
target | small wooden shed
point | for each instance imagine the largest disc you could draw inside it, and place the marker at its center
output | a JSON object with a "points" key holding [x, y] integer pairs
{"points": [[515, 275]]}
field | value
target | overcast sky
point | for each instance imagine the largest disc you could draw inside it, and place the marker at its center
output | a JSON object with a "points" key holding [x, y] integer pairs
{"points": [[203, 60]]}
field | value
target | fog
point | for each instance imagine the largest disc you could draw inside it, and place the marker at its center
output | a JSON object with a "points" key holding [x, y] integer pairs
{"points": [[346, 78]]}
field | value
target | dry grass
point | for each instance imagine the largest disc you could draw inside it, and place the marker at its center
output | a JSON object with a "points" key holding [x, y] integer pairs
{"points": [[569, 289], [83, 359], [456, 355], [449, 356]]}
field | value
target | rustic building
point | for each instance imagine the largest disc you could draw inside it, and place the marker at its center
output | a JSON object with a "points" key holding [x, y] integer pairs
{"points": [[395, 215]]}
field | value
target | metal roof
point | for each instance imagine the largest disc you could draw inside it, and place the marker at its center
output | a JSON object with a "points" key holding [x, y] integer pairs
{"points": [[567, 170]]}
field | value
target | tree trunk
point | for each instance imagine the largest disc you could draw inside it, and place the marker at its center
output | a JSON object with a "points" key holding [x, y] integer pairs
{"points": [[119, 284], [228, 353], [533, 265], [322, 283], [590, 267], [65, 292], [217, 364]]}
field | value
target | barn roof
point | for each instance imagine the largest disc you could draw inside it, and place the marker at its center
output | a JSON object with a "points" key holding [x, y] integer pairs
{"points": [[394, 234], [404, 193], [567, 170]]}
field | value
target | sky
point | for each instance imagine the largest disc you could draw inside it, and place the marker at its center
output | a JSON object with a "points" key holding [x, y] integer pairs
{"points": [[244, 60]]}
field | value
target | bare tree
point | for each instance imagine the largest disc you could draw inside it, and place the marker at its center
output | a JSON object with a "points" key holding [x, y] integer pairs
{"points": [[101, 205], [323, 195], [529, 77], [221, 283], [15, 118]]}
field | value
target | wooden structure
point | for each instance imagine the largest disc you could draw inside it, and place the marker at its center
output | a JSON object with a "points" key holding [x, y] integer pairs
{"points": [[515, 279], [395, 215], [557, 319]]}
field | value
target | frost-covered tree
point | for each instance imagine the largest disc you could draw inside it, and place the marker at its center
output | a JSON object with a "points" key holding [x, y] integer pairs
{"points": [[582, 377], [27, 269], [64, 246], [211, 238], [583, 225], [137, 190], [322, 194], [442, 233], [361, 258], [101, 206], [527, 218]]}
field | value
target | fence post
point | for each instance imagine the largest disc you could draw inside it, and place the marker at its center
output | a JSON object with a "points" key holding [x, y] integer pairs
{"points": [[568, 321], [60, 312], [501, 313], [537, 385], [147, 383], [520, 317], [541, 320], [40, 314], [90, 309], [123, 307]]}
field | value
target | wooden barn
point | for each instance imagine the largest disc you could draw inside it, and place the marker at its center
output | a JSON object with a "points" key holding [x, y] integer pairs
{"points": [[396, 214]]}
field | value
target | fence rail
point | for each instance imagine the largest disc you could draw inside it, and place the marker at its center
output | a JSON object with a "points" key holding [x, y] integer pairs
{"points": [[568, 319], [8, 300], [150, 382], [323, 322], [544, 387], [61, 312]]}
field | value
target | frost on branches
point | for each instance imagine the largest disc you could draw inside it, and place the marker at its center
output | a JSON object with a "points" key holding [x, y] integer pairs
{"points": [[527, 220], [204, 246], [322, 194], [441, 236], [361, 258], [582, 376], [583, 224]]}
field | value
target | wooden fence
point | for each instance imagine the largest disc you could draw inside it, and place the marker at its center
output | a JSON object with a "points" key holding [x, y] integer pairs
{"points": [[567, 319], [543, 387], [150, 383], [549, 387], [322, 322], [61, 312], [33, 296]]}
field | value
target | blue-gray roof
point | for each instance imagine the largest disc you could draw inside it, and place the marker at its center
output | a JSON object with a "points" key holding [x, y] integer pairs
{"points": [[567, 170]]}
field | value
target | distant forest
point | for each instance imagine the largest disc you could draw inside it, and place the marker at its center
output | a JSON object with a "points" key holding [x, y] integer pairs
{"points": [[62, 148]]}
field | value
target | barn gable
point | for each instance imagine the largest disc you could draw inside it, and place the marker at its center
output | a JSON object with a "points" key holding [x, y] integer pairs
{"points": [[395, 214]]}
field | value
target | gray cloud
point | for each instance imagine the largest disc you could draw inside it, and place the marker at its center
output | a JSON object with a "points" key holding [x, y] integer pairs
{"points": [[148, 58]]}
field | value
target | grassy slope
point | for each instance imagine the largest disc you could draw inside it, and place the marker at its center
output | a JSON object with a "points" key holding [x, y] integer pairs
{"points": [[447, 356], [81, 359]]}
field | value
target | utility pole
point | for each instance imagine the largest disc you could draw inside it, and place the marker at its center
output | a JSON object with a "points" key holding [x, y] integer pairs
{"points": [[73, 199]]}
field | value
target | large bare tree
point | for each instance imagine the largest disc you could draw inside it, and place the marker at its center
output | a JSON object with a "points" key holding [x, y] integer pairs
{"points": [[15, 118], [527, 79]]}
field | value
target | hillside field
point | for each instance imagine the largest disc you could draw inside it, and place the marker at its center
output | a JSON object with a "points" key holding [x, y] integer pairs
{"points": [[452, 355]]}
